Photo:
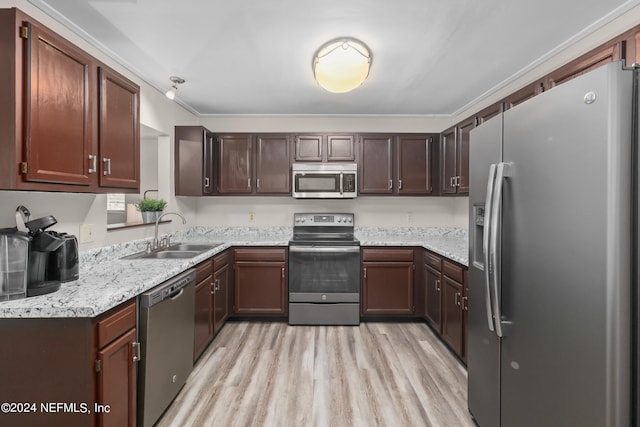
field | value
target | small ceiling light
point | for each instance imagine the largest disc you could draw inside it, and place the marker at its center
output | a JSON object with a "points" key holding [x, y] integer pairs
{"points": [[341, 65], [175, 81]]}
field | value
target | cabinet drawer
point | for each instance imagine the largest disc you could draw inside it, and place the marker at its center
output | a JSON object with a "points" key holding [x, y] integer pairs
{"points": [[387, 254], [220, 260], [433, 260], [115, 324], [203, 270], [260, 254], [453, 271]]}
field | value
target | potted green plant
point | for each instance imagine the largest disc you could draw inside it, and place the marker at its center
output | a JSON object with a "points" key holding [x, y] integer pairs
{"points": [[150, 209]]}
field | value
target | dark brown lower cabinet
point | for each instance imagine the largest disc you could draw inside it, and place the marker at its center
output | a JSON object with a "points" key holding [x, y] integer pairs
{"points": [[83, 363], [452, 314], [260, 281], [203, 327], [221, 282], [446, 301], [117, 382], [212, 304], [387, 282], [433, 290]]}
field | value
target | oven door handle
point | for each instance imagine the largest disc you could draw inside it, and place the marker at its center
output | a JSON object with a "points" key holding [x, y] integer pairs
{"points": [[325, 249]]}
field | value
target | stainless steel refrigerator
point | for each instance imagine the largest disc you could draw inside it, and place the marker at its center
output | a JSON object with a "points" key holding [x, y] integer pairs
{"points": [[551, 338]]}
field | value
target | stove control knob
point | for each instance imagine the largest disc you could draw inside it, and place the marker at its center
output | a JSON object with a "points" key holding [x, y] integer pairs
{"points": [[349, 220]]}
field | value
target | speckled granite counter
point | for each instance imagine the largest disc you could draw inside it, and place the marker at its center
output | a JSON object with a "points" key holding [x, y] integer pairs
{"points": [[107, 281]]}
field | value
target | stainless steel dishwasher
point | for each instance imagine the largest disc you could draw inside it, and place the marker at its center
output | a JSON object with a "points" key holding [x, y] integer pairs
{"points": [[166, 342]]}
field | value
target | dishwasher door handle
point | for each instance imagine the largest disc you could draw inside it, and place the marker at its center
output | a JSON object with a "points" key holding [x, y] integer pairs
{"points": [[176, 295]]}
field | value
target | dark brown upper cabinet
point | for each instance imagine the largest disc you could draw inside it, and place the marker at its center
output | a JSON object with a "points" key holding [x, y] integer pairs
{"points": [[522, 95], [273, 164], [325, 148], [235, 164], [396, 164], [67, 123], [194, 161], [253, 164], [454, 158], [594, 59], [118, 131]]}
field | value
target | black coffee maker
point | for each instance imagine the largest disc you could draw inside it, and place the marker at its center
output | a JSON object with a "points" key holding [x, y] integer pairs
{"points": [[53, 256]]}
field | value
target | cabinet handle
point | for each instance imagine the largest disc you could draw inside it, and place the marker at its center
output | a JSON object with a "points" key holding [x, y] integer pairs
{"points": [[465, 303], [248, 182], [108, 163], [457, 181], [365, 272], [217, 284], [451, 184], [456, 299], [206, 182], [399, 184], [93, 167], [282, 269], [135, 346], [390, 184], [258, 183], [437, 284]]}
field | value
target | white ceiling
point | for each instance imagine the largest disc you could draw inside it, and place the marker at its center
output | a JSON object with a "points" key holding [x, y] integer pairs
{"points": [[430, 57]]}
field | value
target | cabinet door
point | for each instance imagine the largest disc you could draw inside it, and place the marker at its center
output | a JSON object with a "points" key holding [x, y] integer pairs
{"points": [[414, 164], [189, 160], [308, 148], [448, 158], [462, 156], [58, 121], [433, 303], [118, 131], [221, 297], [273, 164], [452, 314], [234, 164], [376, 164], [117, 382], [341, 148], [584, 64], [260, 288], [203, 328], [387, 288]]}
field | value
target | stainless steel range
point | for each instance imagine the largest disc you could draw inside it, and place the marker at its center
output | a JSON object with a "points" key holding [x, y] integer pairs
{"points": [[324, 270]]}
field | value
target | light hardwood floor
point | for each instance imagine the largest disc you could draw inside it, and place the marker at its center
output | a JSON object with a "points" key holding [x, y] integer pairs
{"points": [[273, 374]]}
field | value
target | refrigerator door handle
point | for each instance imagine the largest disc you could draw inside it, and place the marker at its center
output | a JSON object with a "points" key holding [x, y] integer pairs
{"points": [[486, 245], [503, 170]]}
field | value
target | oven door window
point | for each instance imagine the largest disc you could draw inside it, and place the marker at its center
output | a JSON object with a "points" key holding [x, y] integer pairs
{"points": [[317, 183], [323, 270]]}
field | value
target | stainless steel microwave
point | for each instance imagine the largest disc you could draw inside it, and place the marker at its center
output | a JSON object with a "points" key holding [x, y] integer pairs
{"points": [[324, 180]]}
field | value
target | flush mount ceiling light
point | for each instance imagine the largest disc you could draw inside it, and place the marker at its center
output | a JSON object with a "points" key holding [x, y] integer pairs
{"points": [[341, 65], [175, 81]]}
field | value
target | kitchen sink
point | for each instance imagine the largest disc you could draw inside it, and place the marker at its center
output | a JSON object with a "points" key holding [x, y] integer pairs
{"points": [[168, 254], [175, 251], [192, 247]]}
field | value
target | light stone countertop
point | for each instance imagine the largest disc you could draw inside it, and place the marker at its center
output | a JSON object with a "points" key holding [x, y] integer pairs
{"points": [[107, 281]]}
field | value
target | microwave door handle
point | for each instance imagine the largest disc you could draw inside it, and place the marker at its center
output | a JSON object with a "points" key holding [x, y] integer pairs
{"points": [[341, 181]]}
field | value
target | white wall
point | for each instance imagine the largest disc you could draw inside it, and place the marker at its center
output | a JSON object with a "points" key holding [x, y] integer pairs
{"points": [[369, 211]]}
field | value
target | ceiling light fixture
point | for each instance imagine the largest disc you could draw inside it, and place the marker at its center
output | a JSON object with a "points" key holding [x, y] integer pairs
{"points": [[175, 81], [341, 65]]}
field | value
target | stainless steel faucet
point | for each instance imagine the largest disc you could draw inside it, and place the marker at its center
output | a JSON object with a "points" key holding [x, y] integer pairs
{"points": [[155, 235]]}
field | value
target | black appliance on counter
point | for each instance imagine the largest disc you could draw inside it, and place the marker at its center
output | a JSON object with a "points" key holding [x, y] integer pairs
{"points": [[324, 270], [53, 256]]}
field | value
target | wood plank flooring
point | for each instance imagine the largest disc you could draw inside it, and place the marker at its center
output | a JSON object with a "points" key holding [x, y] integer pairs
{"points": [[273, 374]]}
